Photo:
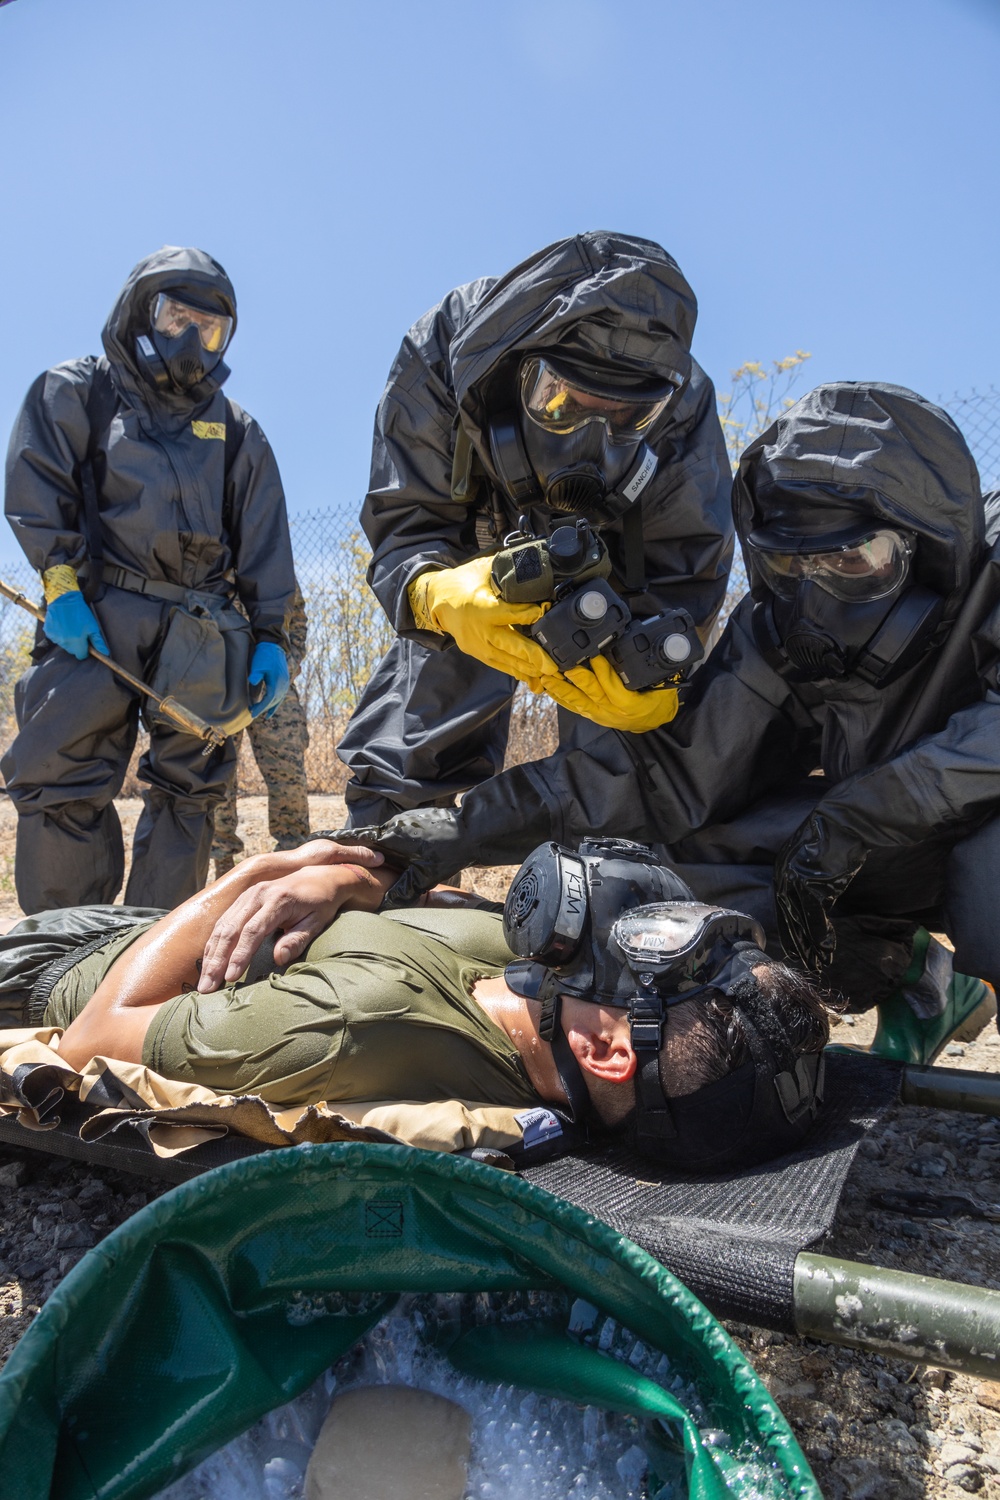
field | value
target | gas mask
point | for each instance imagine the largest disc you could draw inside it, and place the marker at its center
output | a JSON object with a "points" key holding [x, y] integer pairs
{"points": [[844, 604], [610, 925], [577, 443], [183, 350]]}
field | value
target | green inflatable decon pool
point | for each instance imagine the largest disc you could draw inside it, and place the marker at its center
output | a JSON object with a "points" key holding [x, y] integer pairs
{"points": [[174, 1334]]}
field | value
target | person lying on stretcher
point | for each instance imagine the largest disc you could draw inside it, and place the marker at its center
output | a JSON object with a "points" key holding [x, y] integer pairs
{"points": [[603, 989]]}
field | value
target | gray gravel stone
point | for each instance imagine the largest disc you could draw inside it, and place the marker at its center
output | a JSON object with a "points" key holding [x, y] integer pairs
{"points": [[93, 1189], [955, 1453], [861, 1478], [964, 1477], [899, 1435], [31, 1266], [73, 1237], [928, 1166]]}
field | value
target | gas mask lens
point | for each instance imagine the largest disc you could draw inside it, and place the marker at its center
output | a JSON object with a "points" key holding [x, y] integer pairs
{"points": [[171, 317], [865, 570], [656, 934], [561, 401]]}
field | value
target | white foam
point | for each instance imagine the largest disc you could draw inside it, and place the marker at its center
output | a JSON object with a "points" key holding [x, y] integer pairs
{"points": [[524, 1446]]}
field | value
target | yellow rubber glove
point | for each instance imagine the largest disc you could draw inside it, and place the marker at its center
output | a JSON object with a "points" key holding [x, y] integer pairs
{"points": [[59, 580], [462, 603], [596, 692]]}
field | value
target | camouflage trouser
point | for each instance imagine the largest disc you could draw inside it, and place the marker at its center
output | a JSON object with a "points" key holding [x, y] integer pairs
{"points": [[279, 747]]}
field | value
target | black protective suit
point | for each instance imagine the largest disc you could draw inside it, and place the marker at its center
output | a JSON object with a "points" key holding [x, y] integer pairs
{"points": [[902, 823], [433, 721], [180, 506]]}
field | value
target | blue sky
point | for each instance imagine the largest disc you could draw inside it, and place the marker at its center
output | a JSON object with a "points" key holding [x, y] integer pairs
{"points": [[826, 175]]}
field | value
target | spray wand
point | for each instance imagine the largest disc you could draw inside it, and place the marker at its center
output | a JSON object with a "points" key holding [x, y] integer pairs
{"points": [[182, 718]]}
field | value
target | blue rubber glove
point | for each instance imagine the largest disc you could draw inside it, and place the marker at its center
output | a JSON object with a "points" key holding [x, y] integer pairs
{"points": [[269, 666], [71, 623]]}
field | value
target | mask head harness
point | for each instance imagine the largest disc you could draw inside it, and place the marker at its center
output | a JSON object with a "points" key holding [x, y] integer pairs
{"points": [[842, 601], [577, 443], [609, 925], [182, 351]]}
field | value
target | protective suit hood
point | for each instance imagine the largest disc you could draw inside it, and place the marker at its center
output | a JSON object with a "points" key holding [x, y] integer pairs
{"points": [[599, 298], [171, 267], [880, 449]]}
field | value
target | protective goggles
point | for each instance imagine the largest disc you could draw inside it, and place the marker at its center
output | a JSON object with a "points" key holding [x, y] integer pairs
{"points": [[561, 400], [172, 317], [670, 945], [859, 572]]}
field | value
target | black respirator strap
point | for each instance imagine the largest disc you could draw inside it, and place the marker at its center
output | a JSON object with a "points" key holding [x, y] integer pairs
{"points": [[633, 550], [647, 1019], [765, 1063], [905, 631], [510, 459], [765, 635], [579, 1107]]}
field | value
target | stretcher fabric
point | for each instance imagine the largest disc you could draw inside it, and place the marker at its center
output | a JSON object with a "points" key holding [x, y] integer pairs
{"points": [[734, 1239]]}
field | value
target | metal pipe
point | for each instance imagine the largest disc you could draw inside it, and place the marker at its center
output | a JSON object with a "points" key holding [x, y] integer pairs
{"points": [[919, 1318], [951, 1088]]}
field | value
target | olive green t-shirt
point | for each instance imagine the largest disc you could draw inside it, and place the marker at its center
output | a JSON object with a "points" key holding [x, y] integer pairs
{"points": [[71, 993], [380, 1007]]}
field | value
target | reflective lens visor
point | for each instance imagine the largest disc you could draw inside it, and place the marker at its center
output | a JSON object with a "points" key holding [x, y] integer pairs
{"points": [[560, 402], [657, 934], [865, 570], [171, 317]]}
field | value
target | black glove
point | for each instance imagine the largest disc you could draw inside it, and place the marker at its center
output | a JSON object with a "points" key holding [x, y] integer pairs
{"points": [[872, 955], [498, 823], [812, 871], [426, 843]]}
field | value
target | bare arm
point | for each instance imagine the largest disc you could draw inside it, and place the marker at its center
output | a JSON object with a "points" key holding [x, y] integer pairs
{"points": [[164, 961], [299, 909]]}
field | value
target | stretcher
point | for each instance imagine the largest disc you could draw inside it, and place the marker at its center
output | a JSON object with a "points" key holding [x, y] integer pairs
{"points": [[741, 1240]]}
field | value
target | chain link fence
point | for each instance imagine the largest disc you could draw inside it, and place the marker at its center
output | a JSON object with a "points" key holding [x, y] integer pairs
{"points": [[348, 632]]}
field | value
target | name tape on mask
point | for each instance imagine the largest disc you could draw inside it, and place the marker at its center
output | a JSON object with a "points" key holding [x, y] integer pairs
{"points": [[639, 481], [538, 1125], [209, 430]]}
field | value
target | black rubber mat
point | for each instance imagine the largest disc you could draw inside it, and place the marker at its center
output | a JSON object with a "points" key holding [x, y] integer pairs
{"points": [[734, 1239]]}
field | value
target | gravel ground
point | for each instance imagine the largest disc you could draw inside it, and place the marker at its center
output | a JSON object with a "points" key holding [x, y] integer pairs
{"points": [[873, 1428]]}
